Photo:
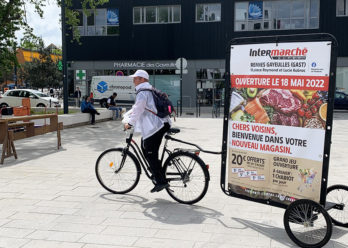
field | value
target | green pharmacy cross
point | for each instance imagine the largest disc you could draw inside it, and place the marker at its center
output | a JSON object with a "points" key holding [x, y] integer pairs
{"points": [[60, 65], [80, 74]]}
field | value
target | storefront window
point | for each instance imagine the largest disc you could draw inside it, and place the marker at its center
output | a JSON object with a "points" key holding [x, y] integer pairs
{"points": [[109, 72], [272, 15], [210, 86], [210, 74], [169, 84], [342, 79]]}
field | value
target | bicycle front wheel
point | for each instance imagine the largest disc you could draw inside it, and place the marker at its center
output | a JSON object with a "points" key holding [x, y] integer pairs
{"points": [[187, 176], [118, 171]]}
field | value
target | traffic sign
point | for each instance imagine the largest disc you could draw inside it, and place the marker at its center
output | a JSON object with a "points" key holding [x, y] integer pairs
{"points": [[184, 63]]}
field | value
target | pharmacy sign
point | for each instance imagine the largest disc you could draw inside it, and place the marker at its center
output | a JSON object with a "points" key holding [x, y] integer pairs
{"points": [[80, 75]]}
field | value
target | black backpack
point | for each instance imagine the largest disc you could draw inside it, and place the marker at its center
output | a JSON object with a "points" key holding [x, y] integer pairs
{"points": [[163, 105]]}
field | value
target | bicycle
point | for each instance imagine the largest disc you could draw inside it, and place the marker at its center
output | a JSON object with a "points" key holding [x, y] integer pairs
{"points": [[118, 169]]}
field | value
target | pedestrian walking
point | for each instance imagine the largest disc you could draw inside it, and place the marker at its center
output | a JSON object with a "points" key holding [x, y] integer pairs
{"points": [[77, 96]]}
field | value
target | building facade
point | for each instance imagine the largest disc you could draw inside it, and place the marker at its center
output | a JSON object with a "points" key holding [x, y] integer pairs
{"points": [[122, 36]]}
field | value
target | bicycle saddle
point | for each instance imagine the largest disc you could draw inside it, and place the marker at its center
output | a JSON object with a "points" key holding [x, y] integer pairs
{"points": [[173, 131]]}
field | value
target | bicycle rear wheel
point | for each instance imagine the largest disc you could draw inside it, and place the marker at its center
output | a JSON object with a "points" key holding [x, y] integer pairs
{"points": [[117, 171], [187, 176]]}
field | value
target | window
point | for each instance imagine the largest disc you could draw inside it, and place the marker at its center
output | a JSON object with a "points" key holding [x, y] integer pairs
{"points": [[163, 15], [208, 12], [100, 22], [14, 93], [342, 79], [24, 93], [157, 14], [80, 26], [113, 23], [342, 7], [279, 14]]}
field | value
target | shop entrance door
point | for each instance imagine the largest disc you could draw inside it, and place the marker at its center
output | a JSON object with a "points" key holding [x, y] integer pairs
{"points": [[210, 91], [210, 96]]}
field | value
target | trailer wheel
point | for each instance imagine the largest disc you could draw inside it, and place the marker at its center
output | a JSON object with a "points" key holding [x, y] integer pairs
{"points": [[307, 223], [338, 194]]}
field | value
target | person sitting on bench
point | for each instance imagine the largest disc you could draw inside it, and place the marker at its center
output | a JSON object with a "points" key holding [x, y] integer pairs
{"points": [[87, 107], [111, 104]]}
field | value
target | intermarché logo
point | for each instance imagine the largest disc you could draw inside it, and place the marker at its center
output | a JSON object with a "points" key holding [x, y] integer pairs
{"points": [[280, 54]]}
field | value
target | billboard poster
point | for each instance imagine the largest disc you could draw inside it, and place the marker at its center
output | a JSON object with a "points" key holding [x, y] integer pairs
{"points": [[112, 17], [255, 10], [277, 119]]}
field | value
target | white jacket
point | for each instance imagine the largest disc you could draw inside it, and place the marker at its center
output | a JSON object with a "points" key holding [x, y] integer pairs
{"points": [[144, 121]]}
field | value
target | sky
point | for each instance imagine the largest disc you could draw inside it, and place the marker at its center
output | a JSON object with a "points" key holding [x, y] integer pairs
{"points": [[49, 28]]}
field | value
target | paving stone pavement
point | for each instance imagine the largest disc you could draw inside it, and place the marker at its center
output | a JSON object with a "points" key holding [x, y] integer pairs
{"points": [[51, 198]]}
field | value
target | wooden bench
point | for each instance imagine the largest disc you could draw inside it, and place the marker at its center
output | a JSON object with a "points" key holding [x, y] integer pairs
{"points": [[17, 128]]}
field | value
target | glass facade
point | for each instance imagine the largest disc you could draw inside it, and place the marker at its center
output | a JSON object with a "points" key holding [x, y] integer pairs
{"points": [[276, 15], [210, 86], [165, 80], [342, 79], [99, 22]]}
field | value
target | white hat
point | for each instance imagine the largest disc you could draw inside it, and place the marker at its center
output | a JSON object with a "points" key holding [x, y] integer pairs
{"points": [[140, 73]]}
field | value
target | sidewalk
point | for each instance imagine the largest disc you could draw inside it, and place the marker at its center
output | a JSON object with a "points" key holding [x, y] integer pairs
{"points": [[51, 198]]}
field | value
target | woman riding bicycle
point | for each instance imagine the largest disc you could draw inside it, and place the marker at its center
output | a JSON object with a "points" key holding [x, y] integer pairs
{"points": [[151, 127]]}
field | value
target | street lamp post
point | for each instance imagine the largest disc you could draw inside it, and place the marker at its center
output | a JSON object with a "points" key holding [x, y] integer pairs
{"points": [[65, 79]]}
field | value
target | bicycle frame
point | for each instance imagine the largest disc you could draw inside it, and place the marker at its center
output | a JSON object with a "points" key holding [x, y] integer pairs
{"points": [[142, 160]]}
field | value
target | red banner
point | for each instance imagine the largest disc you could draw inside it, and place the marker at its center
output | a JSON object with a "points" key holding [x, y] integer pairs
{"points": [[281, 82]]}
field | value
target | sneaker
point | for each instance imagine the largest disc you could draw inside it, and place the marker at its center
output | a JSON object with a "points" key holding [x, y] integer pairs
{"points": [[98, 113], [159, 187]]}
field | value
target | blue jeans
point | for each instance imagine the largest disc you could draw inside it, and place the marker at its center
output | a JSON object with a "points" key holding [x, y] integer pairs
{"points": [[117, 110]]}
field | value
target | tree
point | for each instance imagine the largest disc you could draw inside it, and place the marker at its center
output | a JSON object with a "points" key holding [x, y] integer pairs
{"points": [[31, 43], [42, 72], [13, 18]]}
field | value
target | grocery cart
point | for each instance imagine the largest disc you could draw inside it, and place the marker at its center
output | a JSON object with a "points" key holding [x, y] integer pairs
{"points": [[277, 131]]}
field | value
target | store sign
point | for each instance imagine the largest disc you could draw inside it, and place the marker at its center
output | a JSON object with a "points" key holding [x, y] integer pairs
{"points": [[255, 10], [277, 119], [80, 74], [141, 64]]}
